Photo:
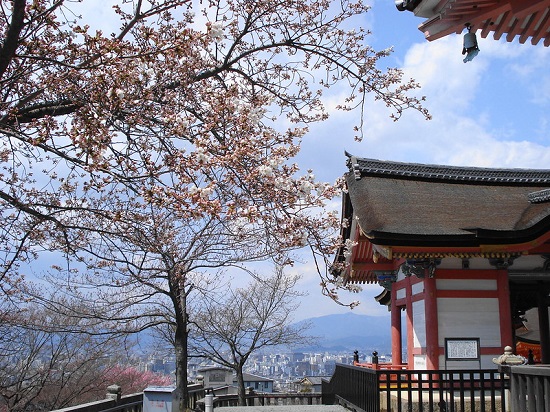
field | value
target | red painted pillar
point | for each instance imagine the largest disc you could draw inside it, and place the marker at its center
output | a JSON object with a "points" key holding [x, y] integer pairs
{"points": [[410, 324], [396, 345], [432, 330], [503, 288]]}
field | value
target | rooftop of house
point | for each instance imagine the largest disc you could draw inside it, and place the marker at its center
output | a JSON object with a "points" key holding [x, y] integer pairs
{"points": [[214, 368], [248, 377], [313, 380]]}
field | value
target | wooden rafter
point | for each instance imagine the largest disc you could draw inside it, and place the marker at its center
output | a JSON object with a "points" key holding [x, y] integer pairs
{"points": [[521, 19]]}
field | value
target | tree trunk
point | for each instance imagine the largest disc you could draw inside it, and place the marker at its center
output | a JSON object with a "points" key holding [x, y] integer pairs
{"points": [[241, 390], [181, 393]]}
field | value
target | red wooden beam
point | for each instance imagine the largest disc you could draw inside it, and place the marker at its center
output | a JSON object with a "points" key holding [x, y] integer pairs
{"points": [[526, 7], [542, 29], [387, 266]]}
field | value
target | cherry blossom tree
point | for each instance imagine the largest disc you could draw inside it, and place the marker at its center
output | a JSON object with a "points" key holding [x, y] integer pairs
{"points": [[151, 155]]}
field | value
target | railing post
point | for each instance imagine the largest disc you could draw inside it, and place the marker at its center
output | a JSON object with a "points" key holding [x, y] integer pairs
{"points": [[250, 396], [209, 402], [114, 392]]}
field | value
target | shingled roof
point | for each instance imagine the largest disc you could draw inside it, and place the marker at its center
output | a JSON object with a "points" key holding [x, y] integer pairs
{"points": [[446, 206]]}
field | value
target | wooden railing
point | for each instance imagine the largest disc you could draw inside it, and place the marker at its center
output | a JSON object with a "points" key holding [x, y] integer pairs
{"points": [[380, 390], [129, 403], [134, 403], [382, 366], [529, 387]]}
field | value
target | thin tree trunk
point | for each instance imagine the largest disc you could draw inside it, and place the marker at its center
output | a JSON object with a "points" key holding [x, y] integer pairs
{"points": [[181, 393], [241, 390]]}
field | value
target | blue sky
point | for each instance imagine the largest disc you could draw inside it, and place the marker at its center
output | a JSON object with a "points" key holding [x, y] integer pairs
{"points": [[490, 112]]}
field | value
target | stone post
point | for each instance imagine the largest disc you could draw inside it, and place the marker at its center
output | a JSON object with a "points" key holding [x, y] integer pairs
{"points": [[505, 362], [114, 392]]}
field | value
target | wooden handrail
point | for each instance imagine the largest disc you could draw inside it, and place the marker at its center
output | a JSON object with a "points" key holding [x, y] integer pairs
{"points": [[380, 366]]}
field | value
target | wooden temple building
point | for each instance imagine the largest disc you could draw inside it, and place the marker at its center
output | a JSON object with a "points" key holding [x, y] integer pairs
{"points": [[462, 254], [515, 19]]}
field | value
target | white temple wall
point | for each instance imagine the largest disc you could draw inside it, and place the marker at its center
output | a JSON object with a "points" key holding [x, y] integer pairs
{"points": [[419, 324], [469, 317], [420, 362], [466, 284]]}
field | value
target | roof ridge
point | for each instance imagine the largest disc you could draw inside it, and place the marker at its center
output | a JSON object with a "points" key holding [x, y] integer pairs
{"points": [[364, 166]]}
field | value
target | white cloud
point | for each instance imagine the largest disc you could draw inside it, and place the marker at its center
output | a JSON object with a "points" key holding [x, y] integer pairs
{"points": [[449, 84]]}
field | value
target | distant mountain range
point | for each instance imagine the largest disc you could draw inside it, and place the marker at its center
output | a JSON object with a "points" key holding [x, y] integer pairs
{"points": [[332, 333], [349, 332]]}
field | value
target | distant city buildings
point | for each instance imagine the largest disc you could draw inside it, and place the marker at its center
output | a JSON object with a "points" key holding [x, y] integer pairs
{"points": [[268, 372]]}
